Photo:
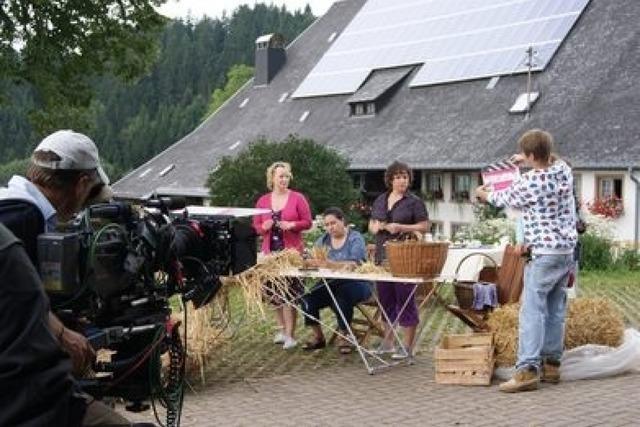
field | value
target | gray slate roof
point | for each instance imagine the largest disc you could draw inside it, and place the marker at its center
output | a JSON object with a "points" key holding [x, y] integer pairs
{"points": [[378, 83], [589, 100]]}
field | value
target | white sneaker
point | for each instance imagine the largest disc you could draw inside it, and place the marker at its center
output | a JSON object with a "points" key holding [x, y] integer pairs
{"points": [[400, 355], [289, 343], [279, 338], [381, 350]]}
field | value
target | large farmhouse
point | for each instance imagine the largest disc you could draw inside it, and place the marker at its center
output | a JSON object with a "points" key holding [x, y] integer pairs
{"points": [[444, 85]]}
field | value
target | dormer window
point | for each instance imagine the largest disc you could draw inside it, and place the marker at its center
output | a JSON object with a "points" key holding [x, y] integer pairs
{"points": [[377, 90], [370, 108], [363, 108]]}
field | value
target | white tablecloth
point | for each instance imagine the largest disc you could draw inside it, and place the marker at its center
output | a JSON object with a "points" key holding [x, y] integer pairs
{"points": [[471, 268]]}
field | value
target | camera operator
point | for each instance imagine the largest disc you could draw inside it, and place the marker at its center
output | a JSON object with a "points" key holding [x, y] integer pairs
{"points": [[34, 372], [64, 176]]}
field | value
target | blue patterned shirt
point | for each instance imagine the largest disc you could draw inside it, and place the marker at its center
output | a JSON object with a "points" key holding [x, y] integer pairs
{"points": [[545, 198]]}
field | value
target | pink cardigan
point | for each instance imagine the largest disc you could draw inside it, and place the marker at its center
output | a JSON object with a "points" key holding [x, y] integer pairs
{"points": [[296, 209]]}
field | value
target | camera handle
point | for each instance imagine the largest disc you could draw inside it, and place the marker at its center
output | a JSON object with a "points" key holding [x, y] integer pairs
{"points": [[116, 334]]}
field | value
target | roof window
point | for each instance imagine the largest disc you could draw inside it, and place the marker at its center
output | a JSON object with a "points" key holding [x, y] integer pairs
{"points": [[166, 170], [145, 173], [524, 102], [493, 82]]}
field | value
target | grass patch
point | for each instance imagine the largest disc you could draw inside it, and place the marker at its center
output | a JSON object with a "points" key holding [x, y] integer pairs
{"points": [[610, 278]]}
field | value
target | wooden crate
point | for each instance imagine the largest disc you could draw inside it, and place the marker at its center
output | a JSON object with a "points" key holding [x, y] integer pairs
{"points": [[465, 359]]}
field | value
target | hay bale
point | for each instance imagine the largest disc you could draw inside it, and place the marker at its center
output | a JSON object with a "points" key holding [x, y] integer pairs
{"points": [[589, 321], [503, 322], [593, 321]]}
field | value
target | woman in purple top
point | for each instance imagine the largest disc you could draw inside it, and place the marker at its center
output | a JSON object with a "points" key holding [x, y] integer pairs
{"points": [[282, 229], [395, 214]]}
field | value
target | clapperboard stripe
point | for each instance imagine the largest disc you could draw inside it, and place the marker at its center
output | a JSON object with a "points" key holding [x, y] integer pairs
{"points": [[499, 166]]}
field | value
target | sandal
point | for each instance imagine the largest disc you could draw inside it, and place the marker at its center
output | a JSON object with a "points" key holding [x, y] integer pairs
{"points": [[314, 345]]}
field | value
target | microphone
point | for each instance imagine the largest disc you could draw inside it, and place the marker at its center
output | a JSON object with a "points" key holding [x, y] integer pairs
{"points": [[166, 203]]}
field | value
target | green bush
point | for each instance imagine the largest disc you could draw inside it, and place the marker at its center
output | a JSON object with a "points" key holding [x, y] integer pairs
{"points": [[319, 172], [628, 259], [595, 252], [311, 236]]}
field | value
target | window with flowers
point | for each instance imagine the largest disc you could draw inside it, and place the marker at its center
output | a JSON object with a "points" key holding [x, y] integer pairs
{"points": [[609, 186], [461, 189], [434, 186], [436, 228], [608, 202], [608, 207]]}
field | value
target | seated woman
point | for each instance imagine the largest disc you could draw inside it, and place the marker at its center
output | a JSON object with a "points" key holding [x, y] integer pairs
{"points": [[346, 248]]}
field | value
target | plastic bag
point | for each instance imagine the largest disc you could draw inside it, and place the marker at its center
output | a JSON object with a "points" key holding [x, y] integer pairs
{"points": [[595, 361]]}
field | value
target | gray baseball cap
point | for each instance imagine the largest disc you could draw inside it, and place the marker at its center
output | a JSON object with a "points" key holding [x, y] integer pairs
{"points": [[76, 152]]}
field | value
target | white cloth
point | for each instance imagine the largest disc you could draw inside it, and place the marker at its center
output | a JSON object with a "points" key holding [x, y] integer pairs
{"points": [[471, 268]]}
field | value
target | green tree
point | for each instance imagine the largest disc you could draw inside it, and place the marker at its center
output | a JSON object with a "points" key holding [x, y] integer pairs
{"points": [[134, 120], [320, 173], [14, 167], [58, 46], [237, 76]]}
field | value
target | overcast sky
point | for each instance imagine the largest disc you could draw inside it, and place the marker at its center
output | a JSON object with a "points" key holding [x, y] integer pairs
{"points": [[214, 8]]}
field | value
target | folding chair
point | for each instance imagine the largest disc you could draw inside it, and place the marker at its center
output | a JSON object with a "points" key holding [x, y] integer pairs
{"points": [[370, 324], [509, 284]]}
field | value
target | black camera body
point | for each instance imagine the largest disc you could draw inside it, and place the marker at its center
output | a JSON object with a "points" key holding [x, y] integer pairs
{"points": [[111, 274]]}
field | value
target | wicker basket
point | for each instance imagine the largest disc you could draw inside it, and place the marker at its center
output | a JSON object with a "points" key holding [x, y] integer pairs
{"points": [[415, 258], [464, 288]]}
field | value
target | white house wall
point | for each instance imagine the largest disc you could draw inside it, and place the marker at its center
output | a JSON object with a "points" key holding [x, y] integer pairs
{"points": [[624, 226], [449, 213]]}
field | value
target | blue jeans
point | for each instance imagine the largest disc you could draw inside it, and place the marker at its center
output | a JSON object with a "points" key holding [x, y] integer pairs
{"points": [[347, 293], [544, 305]]}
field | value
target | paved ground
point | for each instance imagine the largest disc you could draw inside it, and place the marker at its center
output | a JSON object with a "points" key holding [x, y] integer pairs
{"points": [[252, 382], [408, 395]]}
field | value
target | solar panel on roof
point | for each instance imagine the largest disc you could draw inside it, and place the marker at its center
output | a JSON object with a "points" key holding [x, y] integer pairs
{"points": [[454, 40]]}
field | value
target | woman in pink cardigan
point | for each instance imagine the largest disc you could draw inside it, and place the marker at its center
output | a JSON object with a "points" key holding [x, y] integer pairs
{"points": [[282, 229]]}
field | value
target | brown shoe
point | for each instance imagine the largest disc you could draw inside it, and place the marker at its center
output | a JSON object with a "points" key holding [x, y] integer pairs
{"points": [[550, 372], [523, 380]]}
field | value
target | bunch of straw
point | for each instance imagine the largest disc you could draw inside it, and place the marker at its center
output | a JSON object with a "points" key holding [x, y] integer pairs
{"points": [[205, 332], [371, 268], [268, 271], [589, 321], [203, 337], [320, 253]]}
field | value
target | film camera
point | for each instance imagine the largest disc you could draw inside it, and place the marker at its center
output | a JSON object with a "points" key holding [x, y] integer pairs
{"points": [[111, 276]]}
